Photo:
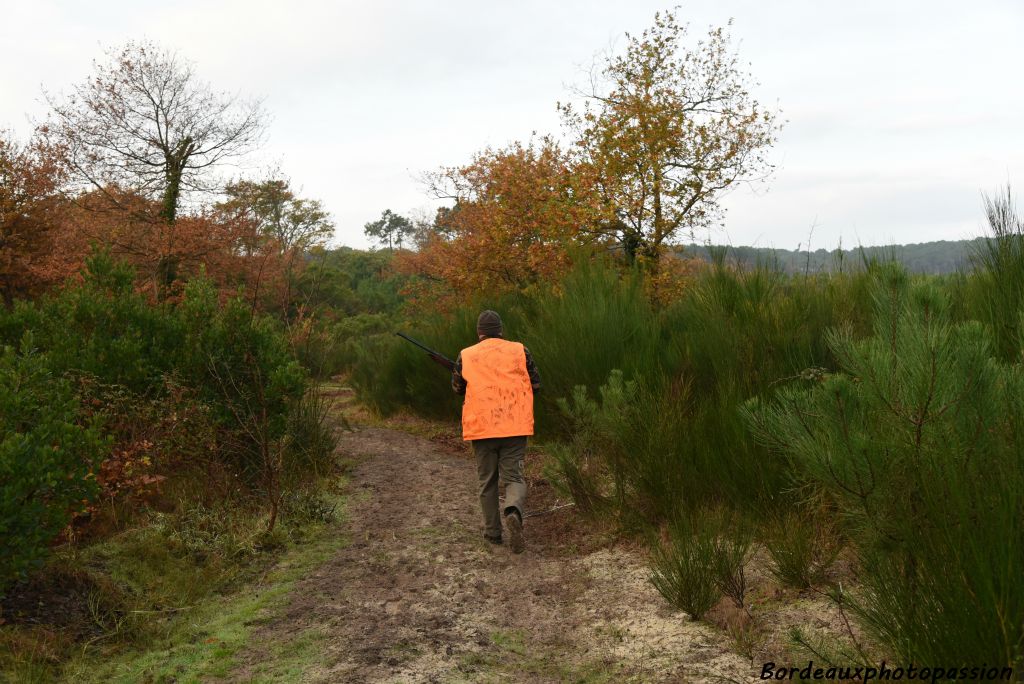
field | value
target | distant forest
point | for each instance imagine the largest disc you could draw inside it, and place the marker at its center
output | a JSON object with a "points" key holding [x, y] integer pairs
{"points": [[943, 256]]}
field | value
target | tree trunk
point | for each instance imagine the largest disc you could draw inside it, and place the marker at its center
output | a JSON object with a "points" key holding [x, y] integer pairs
{"points": [[167, 265]]}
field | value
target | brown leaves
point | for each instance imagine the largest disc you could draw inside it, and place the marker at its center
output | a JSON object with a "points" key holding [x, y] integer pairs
{"points": [[29, 209], [517, 213]]}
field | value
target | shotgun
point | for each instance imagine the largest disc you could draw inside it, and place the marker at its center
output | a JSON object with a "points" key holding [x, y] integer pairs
{"points": [[437, 357]]}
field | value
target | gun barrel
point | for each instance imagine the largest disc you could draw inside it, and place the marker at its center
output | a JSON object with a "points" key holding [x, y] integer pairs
{"points": [[436, 356]]}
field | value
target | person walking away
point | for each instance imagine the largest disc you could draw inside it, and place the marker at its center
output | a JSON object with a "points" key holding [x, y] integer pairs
{"points": [[498, 378]]}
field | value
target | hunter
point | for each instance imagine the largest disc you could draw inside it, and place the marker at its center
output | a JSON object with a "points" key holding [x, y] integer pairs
{"points": [[498, 378]]}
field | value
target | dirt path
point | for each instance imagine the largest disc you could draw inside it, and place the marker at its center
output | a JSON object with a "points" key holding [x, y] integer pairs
{"points": [[418, 596]]}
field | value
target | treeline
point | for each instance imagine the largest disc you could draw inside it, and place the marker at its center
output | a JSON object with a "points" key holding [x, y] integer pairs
{"points": [[939, 257], [162, 436]]}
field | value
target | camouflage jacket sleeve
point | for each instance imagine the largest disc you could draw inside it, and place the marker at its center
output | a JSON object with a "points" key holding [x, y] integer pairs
{"points": [[531, 368], [458, 382]]}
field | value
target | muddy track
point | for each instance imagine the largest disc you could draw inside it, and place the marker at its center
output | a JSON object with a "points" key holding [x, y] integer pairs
{"points": [[418, 596]]}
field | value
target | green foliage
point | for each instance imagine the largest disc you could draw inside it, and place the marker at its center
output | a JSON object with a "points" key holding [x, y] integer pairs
{"points": [[348, 281], [801, 547], [678, 440], [47, 453], [331, 346], [245, 369], [595, 320], [240, 407], [311, 441], [996, 294], [919, 443], [101, 328], [685, 569], [733, 545], [589, 468]]}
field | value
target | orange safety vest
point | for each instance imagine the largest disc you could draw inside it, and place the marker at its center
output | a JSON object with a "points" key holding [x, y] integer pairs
{"points": [[499, 397]]}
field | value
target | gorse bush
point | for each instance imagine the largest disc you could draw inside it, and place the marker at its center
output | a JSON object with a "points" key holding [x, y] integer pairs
{"points": [[595, 320], [802, 547], [733, 547], [199, 389], [685, 568], [995, 295], [47, 455], [919, 441], [702, 556], [679, 440], [589, 468]]}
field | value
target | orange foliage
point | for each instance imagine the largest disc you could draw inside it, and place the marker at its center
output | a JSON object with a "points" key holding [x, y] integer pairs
{"points": [[224, 247], [29, 207], [673, 274], [47, 231], [517, 213]]}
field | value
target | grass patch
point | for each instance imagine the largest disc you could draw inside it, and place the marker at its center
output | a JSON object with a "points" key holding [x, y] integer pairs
{"points": [[185, 604]]}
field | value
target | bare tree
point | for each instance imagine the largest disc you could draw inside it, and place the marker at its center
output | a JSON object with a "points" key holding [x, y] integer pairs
{"points": [[143, 122]]}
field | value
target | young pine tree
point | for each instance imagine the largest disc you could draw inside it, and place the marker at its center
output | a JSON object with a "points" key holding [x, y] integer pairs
{"points": [[920, 442]]}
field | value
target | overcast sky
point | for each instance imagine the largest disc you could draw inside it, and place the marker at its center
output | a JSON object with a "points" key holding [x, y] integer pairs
{"points": [[900, 112]]}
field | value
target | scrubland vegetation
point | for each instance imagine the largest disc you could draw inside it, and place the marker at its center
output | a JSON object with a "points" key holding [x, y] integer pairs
{"points": [[868, 411], [162, 437]]}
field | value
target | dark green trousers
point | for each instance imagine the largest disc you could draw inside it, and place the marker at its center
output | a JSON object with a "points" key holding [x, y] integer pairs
{"points": [[500, 460]]}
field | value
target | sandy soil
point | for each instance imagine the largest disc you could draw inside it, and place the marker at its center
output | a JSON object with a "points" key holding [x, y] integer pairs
{"points": [[417, 595]]}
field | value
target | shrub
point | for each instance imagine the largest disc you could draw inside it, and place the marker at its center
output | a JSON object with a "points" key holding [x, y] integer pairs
{"points": [[704, 556], [595, 320], [996, 293], [684, 568], [919, 442], [227, 371], [327, 347], [311, 440], [47, 459], [801, 547], [591, 466], [732, 552]]}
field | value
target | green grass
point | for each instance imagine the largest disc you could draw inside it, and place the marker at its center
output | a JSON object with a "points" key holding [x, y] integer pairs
{"points": [[205, 609], [206, 641]]}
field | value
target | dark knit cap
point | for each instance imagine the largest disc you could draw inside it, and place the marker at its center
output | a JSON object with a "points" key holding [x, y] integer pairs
{"points": [[489, 323]]}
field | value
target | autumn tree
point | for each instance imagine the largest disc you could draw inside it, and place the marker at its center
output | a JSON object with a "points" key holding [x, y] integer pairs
{"points": [[516, 213], [667, 129], [390, 229], [279, 226], [144, 123], [278, 214], [29, 215]]}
